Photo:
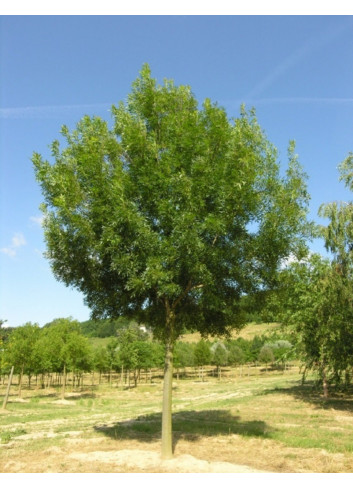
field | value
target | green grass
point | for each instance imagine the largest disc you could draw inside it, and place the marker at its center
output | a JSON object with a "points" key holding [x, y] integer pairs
{"points": [[8, 435]]}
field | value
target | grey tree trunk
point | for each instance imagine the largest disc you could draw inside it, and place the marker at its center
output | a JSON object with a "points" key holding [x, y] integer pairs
{"points": [[325, 384], [8, 389], [167, 442], [20, 384], [64, 384]]}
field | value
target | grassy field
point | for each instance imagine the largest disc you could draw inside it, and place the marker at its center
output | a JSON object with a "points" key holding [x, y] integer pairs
{"points": [[266, 421], [248, 332]]}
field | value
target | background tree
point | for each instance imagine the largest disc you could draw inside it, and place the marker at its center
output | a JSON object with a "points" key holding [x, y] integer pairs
{"points": [[266, 355], [77, 354], [236, 356], [183, 355], [317, 301], [71, 347], [129, 352], [113, 357], [219, 356], [19, 350], [171, 216], [101, 362], [202, 355], [282, 351]]}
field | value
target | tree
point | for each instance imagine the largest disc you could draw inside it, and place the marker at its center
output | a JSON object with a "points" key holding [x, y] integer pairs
{"points": [[282, 350], [317, 301], [318, 293], [236, 356], [170, 216], [202, 355], [219, 356], [70, 349], [101, 361], [266, 355], [183, 355], [19, 350]]}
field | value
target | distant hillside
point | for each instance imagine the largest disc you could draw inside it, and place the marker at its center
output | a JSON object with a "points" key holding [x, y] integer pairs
{"points": [[248, 332]]}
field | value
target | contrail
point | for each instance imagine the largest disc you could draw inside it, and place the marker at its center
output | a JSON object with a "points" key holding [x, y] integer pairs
{"points": [[304, 100], [309, 47], [46, 111]]}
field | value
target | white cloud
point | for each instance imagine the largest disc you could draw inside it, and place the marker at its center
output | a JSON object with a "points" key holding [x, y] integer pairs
{"points": [[39, 252], [18, 240], [37, 220], [8, 251]]}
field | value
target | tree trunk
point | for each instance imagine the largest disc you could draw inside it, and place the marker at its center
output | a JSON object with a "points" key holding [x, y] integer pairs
{"points": [[64, 383], [20, 383], [8, 389], [324, 383], [167, 442]]}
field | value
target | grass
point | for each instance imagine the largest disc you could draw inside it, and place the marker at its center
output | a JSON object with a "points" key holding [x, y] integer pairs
{"points": [[268, 421], [7, 435]]}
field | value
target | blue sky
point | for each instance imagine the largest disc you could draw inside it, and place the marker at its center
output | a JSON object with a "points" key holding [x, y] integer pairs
{"points": [[295, 70]]}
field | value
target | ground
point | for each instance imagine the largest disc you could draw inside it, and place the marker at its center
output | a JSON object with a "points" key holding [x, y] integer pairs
{"points": [[249, 421]]}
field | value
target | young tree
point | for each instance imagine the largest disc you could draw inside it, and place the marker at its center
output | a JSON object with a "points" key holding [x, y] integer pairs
{"points": [[19, 350], [101, 361], [219, 356], [266, 355], [202, 355], [70, 349], [170, 216], [183, 355], [236, 356]]}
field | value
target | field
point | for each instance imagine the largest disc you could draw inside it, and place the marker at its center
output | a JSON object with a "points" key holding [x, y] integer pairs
{"points": [[250, 420]]}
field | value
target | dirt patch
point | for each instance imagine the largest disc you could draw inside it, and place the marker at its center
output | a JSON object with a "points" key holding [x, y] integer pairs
{"points": [[146, 460], [64, 402]]}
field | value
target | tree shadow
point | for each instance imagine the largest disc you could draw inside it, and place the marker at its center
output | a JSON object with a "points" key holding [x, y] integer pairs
{"points": [[187, 425], [311, 392], [74, 396]]}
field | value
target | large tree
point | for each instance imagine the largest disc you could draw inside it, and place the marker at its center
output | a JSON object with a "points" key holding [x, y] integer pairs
{"points": [[171, 215]]}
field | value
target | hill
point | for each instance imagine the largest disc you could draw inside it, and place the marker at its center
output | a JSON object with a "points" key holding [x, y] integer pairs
{"points": [[248, 332]]}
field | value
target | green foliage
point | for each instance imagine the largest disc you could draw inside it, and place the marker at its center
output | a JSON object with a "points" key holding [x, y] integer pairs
{"points": [[101, 360], [183, 354], [266, 355], [219, 354], [177, 209], [202, 353], [318, 305], [104, 328], [236, 356], [20, 348], [37, 351], [282, 350]]}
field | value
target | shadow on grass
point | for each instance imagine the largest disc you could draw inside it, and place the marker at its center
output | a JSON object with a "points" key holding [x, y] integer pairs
{"points": [[75, 396], [312, 393], [187, 425]]}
